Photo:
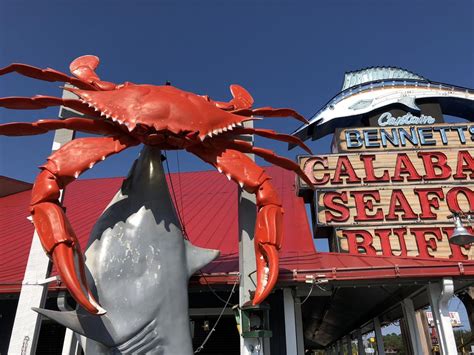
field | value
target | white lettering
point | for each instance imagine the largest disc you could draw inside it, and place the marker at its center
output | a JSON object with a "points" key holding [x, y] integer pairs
{"points": [[386, 119]]}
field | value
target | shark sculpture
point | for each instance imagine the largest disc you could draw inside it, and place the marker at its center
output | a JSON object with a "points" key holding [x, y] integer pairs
{"points": [[370, 89], [138, 267]]}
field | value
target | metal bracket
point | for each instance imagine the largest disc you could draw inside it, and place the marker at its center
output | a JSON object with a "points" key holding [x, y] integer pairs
{"points": [[41, 282]]}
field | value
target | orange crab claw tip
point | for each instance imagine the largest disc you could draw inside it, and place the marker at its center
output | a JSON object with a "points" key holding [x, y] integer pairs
{"points": [[63, 257], [267, 272]]}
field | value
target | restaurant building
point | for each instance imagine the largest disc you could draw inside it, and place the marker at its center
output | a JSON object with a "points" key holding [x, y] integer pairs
{"points": [[387, 199]]}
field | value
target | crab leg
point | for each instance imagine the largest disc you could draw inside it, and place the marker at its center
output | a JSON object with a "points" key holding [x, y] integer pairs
{"points": [[54, 230], [268, 133], [41, 102], [86, 125], [241, 99], [271, 112], [268, 228], [47, 74], [266, 154], [84, 68]]}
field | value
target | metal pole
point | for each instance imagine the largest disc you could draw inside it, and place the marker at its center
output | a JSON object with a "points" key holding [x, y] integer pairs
{"points": [[378, 337], [247, 265], [27, 324], [299, 326], [349, 345], [290, 321], [360, 343]]}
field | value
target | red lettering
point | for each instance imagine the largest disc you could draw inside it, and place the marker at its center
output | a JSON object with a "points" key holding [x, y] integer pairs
{"points": [[364, 201], [399, 203], [310, 169], [384, 235], [368, 161], [426, 203], [400, 233], [344, 168], [453, 201], [329, 200], [361, 246], [435, 161], [403, 165], [426, 237], [465, 162]]}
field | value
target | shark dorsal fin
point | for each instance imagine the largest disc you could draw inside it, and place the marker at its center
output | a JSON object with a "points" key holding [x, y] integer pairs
{"points": [[367, 75], [197, 258]]}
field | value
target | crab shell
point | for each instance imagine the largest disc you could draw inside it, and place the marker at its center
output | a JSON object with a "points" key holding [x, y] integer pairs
{"points": [[160, 109]]}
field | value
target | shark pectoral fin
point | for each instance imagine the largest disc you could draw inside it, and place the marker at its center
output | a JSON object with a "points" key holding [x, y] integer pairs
{"points": [[197, 258], [81, 323], [410, 103]]}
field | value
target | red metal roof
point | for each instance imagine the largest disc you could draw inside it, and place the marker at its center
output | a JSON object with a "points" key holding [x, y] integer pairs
{"points": [[10, 186], [208, 204], [206, 201]]}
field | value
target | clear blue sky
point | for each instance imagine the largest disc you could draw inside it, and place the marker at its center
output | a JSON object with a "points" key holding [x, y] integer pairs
{"points": [[284, 54]]}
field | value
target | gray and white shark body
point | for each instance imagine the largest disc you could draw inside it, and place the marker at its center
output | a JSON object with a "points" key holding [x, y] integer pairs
{"points": [[139, 266], [371, 89]]}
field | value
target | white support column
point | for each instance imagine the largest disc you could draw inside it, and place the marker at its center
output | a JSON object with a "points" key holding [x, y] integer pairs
{"points": [[299, 326], [424, 332], [378, 337], [439, 295], [71, 345], [247, 266], [27, 324], [290, 321], [360, 343], [413, 332]]}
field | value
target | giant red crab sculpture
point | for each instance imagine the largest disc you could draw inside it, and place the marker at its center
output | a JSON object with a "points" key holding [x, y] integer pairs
{"points": [[162, 116]]}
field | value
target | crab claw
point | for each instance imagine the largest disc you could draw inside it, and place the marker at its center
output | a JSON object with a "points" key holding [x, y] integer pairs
{"points": [[84, 69], [267, 243], [61, 245], [66, 257], [267, 271]]}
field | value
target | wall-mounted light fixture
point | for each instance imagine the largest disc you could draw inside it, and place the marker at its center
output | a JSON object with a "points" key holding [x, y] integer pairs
{"points": [[461, 235], [253, 321]]}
